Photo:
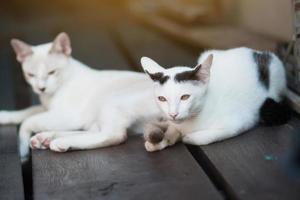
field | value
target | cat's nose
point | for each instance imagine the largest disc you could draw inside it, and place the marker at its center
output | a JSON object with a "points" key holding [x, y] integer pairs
{"points": [[173, 115], [42, 89]]}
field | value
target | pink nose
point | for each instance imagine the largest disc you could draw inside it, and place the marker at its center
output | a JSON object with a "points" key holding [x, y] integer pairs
{"points": [[173, 115]]}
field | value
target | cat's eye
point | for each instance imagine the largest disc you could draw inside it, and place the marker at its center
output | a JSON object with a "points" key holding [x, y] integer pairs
{"points": [[51, 72], [185, 97], [161, 98], [30, 75]]}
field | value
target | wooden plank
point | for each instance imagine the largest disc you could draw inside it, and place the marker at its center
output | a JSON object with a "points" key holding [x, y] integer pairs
{"points": [[11, 183], [251, 166], [121, 172]]}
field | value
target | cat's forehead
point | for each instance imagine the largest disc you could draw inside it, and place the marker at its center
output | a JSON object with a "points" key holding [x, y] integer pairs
{"points": [[40, 57], [172, 84], [176, 70], [41, 50], [170, 75]]}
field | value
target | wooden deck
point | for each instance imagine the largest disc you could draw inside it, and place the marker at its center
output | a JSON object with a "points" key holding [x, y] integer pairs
{"points": [[250, 166]]}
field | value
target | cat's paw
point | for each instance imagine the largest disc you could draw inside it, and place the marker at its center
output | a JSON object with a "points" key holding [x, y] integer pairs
{"points": [[41, 140], [59, 145], [150, 147], [154, 134], [5, 117]]}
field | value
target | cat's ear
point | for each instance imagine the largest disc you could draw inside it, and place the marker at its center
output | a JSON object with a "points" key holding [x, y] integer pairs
{"points": [[202, 71], [61, 45], [150, 66], [21, 49], [154, 70]]}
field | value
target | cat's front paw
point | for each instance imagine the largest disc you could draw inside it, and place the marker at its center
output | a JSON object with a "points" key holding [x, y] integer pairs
{"points": [[150, 147], [41, 140], [59, 145], [5, 117], [154, 134]]}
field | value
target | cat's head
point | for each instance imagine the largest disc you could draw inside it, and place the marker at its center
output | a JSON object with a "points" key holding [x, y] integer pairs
{"points": [[179, 91], [43, 65]]}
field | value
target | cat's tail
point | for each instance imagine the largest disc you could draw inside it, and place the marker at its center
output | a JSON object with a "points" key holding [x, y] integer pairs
{"points": [[273, 113]]}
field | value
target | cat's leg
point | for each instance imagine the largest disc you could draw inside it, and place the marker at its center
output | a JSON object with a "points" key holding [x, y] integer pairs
{"points": [[113, 122], [224, 128], [17, 117], [208, 136], [86, 140], [161, 136], [47, 121], [42, 140]]}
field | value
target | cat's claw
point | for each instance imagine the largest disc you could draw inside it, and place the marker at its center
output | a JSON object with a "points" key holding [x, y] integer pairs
{"points": [[59, 146]]}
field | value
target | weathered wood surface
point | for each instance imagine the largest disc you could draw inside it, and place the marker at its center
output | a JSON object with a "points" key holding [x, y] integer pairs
{"points": [[122, 172], [11, 183], [252, 166]]}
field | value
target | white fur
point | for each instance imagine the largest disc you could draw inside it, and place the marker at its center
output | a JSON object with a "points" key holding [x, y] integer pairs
{"points": [[81, 108], [225, 106]]}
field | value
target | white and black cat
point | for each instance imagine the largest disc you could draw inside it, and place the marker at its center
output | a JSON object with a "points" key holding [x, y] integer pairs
{"points": [[81, 108], [219, 98]]}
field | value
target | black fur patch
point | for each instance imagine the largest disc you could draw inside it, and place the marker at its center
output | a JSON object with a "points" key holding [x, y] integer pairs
{"points": [[263, 59], [188, 75], [158, 77], [273, 113], [156, 136]]}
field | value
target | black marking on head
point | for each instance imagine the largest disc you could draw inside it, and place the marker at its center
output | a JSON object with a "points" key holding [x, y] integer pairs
{"points": [[188, 75], [263, 60], [159, 77]]}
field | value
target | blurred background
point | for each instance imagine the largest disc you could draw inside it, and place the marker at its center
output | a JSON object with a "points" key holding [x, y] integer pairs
{"points": [[114, 34], [199, 24]]}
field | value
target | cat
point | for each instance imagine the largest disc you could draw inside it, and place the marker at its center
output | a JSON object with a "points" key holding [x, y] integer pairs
{"points": [[218, 99], [81, 108]]}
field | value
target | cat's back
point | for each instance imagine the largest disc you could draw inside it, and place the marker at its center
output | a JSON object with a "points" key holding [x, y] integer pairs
{"points": [[229, 59], [247, 68]]}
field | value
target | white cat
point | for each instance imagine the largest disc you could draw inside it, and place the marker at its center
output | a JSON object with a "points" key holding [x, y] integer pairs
{"points": [[81, 108], [219, 98]]}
